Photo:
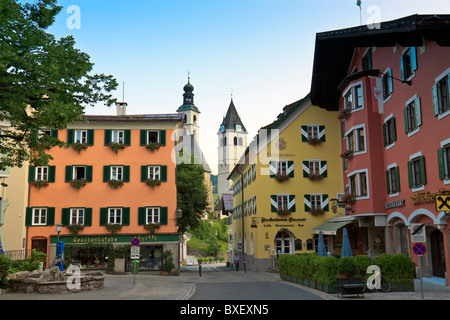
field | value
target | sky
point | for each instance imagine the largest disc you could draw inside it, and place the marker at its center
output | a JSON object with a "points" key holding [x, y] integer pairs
{"points": [[259, 51]]}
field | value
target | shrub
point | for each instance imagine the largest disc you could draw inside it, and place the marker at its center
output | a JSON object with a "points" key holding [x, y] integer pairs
{"points": [[5, 265], [347, 267], [397, 268], [326, 270]]}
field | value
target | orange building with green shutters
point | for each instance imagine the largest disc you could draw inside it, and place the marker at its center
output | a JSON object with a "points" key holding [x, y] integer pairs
{"points": [[115, 182]]}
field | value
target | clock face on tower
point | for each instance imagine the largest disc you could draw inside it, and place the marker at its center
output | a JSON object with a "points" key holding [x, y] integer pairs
{"points": [[238, 128], [222, 128]]}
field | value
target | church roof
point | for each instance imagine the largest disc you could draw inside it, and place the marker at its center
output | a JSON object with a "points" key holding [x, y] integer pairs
{"points": [[232, 118]]}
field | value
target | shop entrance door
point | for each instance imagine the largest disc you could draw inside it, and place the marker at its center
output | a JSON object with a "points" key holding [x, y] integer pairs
{"points": [[437, 253], [284, 242], [39, 245]]}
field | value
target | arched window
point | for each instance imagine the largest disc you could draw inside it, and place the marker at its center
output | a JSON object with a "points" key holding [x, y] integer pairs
{"points": [[240, 141], [235, 141], [195, 119], [284, 242], [184, 119]]}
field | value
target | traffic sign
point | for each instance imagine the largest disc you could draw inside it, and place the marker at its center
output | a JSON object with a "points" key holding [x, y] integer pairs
{"points": [[419, 249], [135, 252], [135, 242], [418, 232], [442, 202]]}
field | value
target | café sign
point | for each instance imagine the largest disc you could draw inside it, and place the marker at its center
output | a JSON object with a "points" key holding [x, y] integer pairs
{"points": [[395, 204]]}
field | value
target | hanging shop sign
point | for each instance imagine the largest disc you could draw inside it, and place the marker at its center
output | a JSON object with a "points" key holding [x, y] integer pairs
{"points": [[395, 204]]}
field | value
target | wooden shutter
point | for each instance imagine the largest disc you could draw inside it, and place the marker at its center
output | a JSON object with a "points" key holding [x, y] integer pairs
{"points": [[423, 176], [144, 173], [305, 169], [126, 173], [410, 175], [393, 131], [143, 137], [90, 137], [103, 216], [89, 173], [274, 203], [397, 179], [290, 169], [70, 136], [108, 135], [50, 216], [28, 216], [406, 116], [402, 68], [142, 216], [273, 168], [435, 99], [163, 173], [88, 216], [384, 134], [291, 203], [51, 173], [65, 216], [390, 81], [163, 215], [106, 173], [418, 111], [69, 173], [324, 203], [31, 173], [127, 137], [323, 169], [388, 184], [304, 132], [413, 54], [441, 163], [162, 137], [125, 216], [322, 133], [307, 200]]}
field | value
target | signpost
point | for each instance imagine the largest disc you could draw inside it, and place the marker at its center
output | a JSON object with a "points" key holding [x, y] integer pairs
{"points": [[135, 254], [420, 249]]}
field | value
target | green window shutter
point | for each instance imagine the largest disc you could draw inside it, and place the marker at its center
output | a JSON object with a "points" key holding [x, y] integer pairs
{"points": [[343, 128], [127, 139], [89, 173], [291, 204], [142, 215], [423, 176], [322, 133], [69, 173], [418, 111], [393, 131], [163, 216], [125, 216], [162, 137], [88, 216], [413, 52], [28, 216], [304, 131], [397, 179], [410, 174], [324, 204], [390, 81], [273, 203], [50, 216], [406, 116], [106, 173], [31, 173], [435, 99], [65, 216], [402, 68], [103, 216], [144, 173], [54, 133], [126, 173], [90, 137], [305, 169], [441, 163], [384, 134], [108, 135], [51, 173], [323, 169], [388, 186], [70, 136], [143, 137], [163, 172], [290, 169], [307, 200], [273, 168]]}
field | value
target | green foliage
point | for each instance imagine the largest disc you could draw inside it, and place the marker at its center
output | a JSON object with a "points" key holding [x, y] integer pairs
{"points": [[397, 268], [326, 269], [5, 265], [30, 263], [167, 264], [213, 247], [209, 236], [47, 74], [347, 267]]}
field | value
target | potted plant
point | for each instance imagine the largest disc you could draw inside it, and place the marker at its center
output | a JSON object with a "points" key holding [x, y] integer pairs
{"points": [[153, 182], [153, 146], [283, 212], [116, 146], [349, 198], [345, 113], [75, 228], [77, 146], [40, 183], [317, 211], [113, 227], [152, 227], [78, 183], [281, 176], [314, 140], [115, 183], [347, 154], [315, 176], [167, 264]]}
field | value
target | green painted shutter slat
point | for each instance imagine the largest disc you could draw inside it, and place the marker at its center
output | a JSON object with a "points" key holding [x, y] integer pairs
{"points": [[305, 169], [50, 216], [322, 133], [70, 136], [324, 173], [273, 199], [103, 216], [126, 216], [163, 215], [88, 216], [127, 139], [142, 216], [144, 173], [393, 131], [108, 134], [291, 165], [410, 174], [435, 99], [441, 163], [307, 200], [418, 111], [406, 116], [126, 173], [413, 58], [390, 81], [163, 172], [324, 200], [273, 168], [51, 173], [143, 137], [388, 185], [28, 216], [106, 173], [384, 134], [423, 176], [65, 216], [291, 198], [31, 173], [69, 173], [89, 173], [402, 68], [304, 132], [90, 137], [162, 137], [397, 179]]}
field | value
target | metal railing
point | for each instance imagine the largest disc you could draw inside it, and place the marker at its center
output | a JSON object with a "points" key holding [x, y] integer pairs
{"points": [[273, 262], [16, 254]]}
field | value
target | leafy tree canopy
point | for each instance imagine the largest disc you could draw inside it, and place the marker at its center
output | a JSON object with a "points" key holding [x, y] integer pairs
{"points": [[44, 82]]}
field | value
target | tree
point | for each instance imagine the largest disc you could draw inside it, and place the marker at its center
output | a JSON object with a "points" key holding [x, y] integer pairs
{"points": [[192, 195], [44, 82]]}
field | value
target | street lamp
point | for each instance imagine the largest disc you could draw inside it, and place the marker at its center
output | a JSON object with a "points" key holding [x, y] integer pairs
{"points": [[58, 229]]}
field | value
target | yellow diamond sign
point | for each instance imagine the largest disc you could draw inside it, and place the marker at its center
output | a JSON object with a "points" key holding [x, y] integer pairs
{"points": [[443, 202]]}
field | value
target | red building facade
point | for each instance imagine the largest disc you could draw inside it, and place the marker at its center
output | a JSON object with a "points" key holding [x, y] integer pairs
{"points": [[391, 86]]}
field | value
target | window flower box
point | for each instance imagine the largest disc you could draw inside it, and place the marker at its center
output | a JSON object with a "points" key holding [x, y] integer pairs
{"points": [[152, 183], [314, 141], [115, 183], [78, 184], [79, 146], [75, 228], [152, 227], [40, 183], [315, 176], [117, 146], [349, 199], [113, 227], [344, 114], [281, 176], [347, 154], [283, 212], [317, 211], [153, 146]]}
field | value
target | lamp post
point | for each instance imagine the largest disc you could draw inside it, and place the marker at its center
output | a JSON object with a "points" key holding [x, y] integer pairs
{"points": [[58, 229]]}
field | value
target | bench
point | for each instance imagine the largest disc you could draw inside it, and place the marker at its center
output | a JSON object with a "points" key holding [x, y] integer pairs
{"points": [[354, 285]]}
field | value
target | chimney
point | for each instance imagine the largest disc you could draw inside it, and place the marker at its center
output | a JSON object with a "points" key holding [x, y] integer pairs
{"points": [[121, 108]]}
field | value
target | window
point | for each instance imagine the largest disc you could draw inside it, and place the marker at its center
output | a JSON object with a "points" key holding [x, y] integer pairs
{"points": [[392, 180], [408, 63], [153, 215], [388, 84], [282, 202], [441, 94], [77, 216], [316, 202], [39, 216], [352, 184], [358, 183], [314, 167], [235, 140], [416, 171], [42, 173], [313, 132], [413, 115], [389, 131], [118, 136], [115, 215], [116, 173], [282, 167], [81, 136], [444, 162], [363, 184], [152, 137], [354, 97], [367, 60], [43, 132], [356, 140], [79, 173], [154, 172]]}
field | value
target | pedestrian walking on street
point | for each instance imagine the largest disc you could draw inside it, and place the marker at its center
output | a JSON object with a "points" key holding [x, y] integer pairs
{"points": [[236, 261]]}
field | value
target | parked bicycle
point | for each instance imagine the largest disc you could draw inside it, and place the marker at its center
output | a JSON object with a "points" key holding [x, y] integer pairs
{"points": [[384, 284]]}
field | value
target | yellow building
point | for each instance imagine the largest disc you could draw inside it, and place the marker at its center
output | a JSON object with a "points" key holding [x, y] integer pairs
{"points": [[284, 183]]}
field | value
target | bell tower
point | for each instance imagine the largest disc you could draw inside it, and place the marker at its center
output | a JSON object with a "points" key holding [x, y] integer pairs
{"points": [[190, 112]]}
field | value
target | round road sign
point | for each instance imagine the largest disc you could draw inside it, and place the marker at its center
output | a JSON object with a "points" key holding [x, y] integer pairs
{"points": [[135, 242], [419, 249]]}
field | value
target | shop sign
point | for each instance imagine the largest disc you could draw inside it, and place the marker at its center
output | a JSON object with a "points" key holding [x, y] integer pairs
{"points": [[443, 202], [275, 222], [426, 196], [395, 204], [418, 233]]}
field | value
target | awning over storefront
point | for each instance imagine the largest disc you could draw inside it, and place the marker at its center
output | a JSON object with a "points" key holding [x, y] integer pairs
{"points": [[330, 228]]}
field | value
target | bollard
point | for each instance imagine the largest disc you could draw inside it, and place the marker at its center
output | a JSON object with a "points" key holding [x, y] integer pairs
{"points": [[245, 267], [200, 268]]}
